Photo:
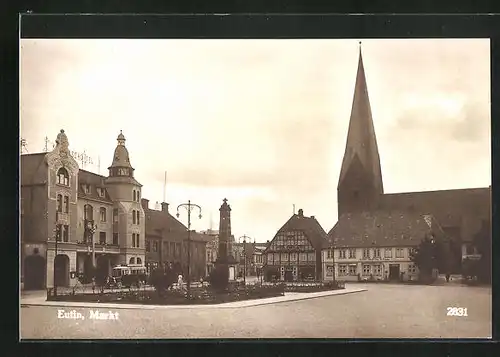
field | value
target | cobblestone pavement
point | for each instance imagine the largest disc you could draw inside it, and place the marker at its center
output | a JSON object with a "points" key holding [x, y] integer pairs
{"points": [[384, 311]]}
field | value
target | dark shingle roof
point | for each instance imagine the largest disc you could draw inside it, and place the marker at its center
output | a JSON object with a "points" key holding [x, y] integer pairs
{"points": [[159, 221], [310, 226], [462, 208], [383, 229], [95, 181]]}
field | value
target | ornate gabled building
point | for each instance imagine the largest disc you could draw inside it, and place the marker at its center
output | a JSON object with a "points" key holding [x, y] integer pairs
{"points": [[295, 251], [460, 212], [78, 207]]}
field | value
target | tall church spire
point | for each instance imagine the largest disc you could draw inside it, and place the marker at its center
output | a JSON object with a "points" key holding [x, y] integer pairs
{"points": [[360, 176]]}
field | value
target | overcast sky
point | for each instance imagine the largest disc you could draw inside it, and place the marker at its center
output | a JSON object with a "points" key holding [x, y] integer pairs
{"points": [[262, 122]]}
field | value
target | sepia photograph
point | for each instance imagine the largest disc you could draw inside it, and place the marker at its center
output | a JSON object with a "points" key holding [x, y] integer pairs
{"points": [[255, 189]]}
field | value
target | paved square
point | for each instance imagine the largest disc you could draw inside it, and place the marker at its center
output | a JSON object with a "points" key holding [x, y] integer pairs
{"points": [[383, 311]]}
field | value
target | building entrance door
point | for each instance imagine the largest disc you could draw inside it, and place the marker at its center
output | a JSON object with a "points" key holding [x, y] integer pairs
{"points": [[289, 275], [394, 272]]}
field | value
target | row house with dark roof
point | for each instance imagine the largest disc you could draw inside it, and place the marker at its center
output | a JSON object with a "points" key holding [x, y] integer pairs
{"points": [[85, 212], [377, 245], [294, 254], [167, 243]]}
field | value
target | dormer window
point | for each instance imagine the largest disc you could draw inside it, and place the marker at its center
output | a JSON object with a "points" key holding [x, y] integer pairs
{"points": [[87, 189], [63, 177], [101, 191]]}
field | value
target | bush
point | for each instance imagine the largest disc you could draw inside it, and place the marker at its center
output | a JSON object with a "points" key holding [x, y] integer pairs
{"points": [[219, 278]]}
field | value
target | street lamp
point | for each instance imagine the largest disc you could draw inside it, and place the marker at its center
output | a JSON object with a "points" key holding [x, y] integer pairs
{"points": [[57, 235], [244, 257], [91, 228], [189, 208]]}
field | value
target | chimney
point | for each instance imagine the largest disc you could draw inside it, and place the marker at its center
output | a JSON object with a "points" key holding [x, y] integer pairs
{"points": [[144, 203], [164, 207], [313, 217], [301, 213]]}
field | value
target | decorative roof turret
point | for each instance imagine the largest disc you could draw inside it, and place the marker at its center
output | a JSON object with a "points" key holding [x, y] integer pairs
{"points": [[121, 161]]}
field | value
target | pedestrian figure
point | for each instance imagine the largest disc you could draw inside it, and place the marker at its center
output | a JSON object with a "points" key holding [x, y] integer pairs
{"points": [[447, 277], [179, 282]]}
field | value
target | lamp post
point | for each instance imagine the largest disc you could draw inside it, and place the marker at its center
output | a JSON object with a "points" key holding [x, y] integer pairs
{"points": [[244, 258], [189, 208], [91, 228], [57, 235]]}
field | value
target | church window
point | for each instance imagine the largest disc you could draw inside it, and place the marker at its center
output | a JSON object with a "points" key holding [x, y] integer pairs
{"points": [[63, 177], [66, 204], [59, 203], [102, 214]]}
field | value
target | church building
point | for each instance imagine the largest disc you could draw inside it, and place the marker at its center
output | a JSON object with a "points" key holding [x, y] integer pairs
{"points": [[459, 213], [72, 219]]}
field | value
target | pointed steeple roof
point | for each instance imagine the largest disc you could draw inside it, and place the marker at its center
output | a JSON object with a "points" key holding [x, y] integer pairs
{"points": [[361, 139], [121, 156]]}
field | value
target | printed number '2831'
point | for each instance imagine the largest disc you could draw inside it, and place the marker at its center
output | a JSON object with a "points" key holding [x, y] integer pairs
{"points": [[457, 311]]}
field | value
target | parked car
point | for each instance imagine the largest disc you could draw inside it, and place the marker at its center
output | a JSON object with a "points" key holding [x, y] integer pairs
{"points": [[129, 275]]}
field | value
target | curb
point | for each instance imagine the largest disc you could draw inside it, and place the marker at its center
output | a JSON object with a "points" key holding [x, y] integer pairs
{"points": [[237, 304]]}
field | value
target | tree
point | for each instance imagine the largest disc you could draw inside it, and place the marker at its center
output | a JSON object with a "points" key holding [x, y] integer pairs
{"points": [[426, 256], [482, 242]]}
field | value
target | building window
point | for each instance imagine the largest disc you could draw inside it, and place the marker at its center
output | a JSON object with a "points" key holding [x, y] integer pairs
{"points": [[148, 246], [66, 204], [115, 238], [293, 257], [133, 217], [88, 212], [311, 257], [59, 203], [329, 270], [342, 253], [155, 246], [411, 251], [366, 269], [377, 269], [284, 257], [102, 237], [352, 269], [138, 216], [102, 192], [412, 269], [132, 260], [329, 254], [59, 232], [137, 241], [377, 253], [102, 214], [135, 199], [115, 215], [133, 240], [139, 260], [270, 258], [366, 253], [352, 253], [87, 188], [66, 233], [342, 269], [63, 177], [138, 194], [399, 253], [388, 253]]}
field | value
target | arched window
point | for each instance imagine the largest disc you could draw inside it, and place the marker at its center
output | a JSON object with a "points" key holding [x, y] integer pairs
{"points": [[139, 261], [132, 260], [135, 199], [102, 214], [59, 203], [88, 213], [138, 194], [63, 177]]}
